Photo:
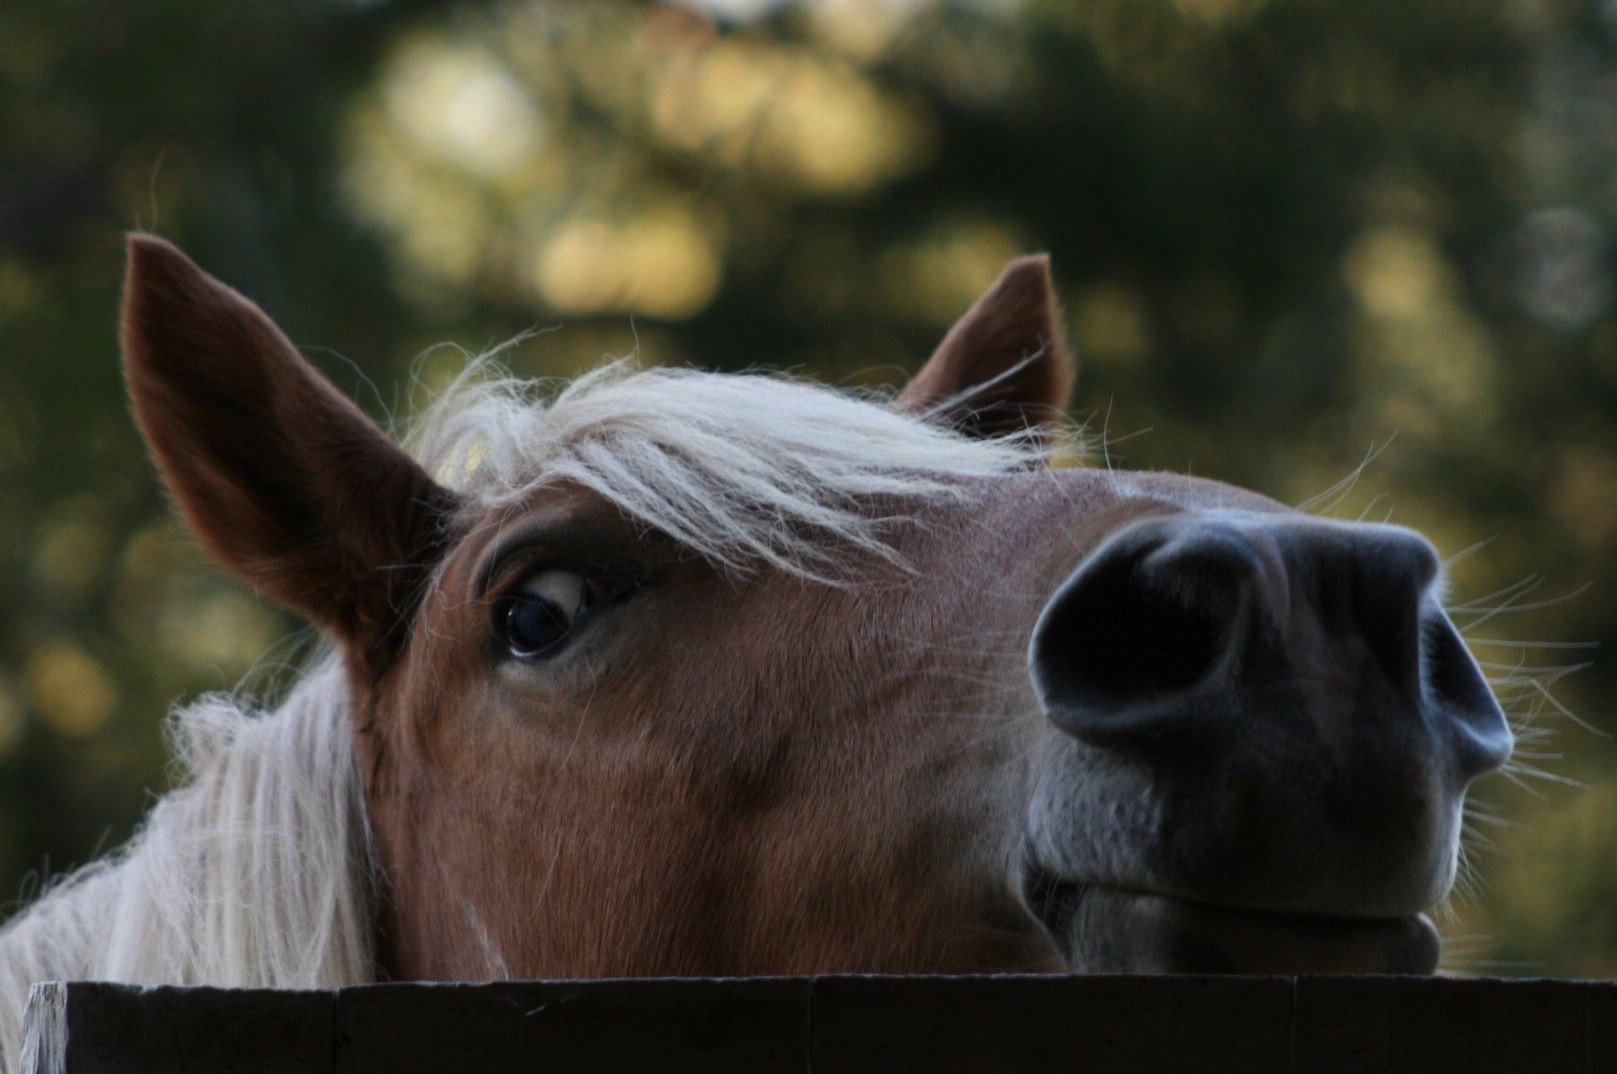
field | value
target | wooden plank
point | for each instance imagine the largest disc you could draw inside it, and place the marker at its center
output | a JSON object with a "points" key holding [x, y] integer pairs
{"points": [[1600, 1010], [1017, 1025], [1346, 1025], [99, 1028], [838, 1025], [580, 1027]]}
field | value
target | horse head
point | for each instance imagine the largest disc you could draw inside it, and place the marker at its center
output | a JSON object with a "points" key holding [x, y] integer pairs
{"points": [[686, 674]]}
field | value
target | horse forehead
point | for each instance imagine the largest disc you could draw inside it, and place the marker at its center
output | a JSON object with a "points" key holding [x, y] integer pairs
{"points": [[1177, 490], [547, 511], [1044, 509], [1065, 510]]}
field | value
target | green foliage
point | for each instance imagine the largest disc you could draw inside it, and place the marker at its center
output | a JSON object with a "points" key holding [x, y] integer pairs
{"points": [[1290, 235]]}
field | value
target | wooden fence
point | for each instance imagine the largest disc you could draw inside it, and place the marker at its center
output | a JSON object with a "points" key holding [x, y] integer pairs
{"points": [[838, 1025]]}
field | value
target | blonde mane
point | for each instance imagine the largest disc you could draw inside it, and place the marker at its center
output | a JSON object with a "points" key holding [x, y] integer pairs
{"points": [[744, 470], [253, 874], [257, 871]]}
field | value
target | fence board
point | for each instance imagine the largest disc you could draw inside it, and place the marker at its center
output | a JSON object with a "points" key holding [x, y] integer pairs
{"points": [[838, 1025]]}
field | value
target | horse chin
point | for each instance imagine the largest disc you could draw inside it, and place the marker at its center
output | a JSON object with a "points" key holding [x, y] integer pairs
{"points": [[1109, 930]]}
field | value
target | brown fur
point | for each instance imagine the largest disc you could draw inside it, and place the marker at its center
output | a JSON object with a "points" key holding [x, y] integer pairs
{"points": [[771, 775], [261, 455], [744, 826], [1004, 367]]}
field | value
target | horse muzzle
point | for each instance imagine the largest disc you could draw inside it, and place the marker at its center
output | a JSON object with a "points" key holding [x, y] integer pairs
{"points": [[1278, 722]]}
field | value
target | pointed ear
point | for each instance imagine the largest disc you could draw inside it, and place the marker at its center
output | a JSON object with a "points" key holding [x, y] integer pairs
{"points": [[283, 479], [1004, 366]]}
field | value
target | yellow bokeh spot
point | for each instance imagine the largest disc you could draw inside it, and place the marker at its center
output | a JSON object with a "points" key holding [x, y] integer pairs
{"points": [[494, 159], [459, 104], [70, 691], [1432, 377], [1112, 326], [1396, 271], [442, 226], [664, 263], [940, 275], [222, 631], [1425, 363], [151, 554], [72, 551], [862, 30], [806, 120], [1583, 494]]}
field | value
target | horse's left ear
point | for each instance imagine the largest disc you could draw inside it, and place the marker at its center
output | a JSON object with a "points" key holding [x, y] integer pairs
{"points": [[278, 474], [1004, 366]]}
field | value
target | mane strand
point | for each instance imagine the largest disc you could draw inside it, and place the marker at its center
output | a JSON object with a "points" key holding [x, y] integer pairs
{"points": [[744, 470], [253, 874]]}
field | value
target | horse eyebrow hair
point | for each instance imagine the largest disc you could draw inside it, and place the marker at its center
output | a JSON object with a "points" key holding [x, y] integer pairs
{"points": [[518, 543], [744, 470]]}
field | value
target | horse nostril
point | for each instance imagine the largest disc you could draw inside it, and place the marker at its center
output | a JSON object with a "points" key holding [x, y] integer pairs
{"points": [[1374, 584], [1120, 642], [1455, 689], [1181, 628], [1143, 621]]}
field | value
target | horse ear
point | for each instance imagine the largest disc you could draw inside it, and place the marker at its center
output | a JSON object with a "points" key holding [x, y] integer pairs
{"points": [[1004, 366], [282, 478]]}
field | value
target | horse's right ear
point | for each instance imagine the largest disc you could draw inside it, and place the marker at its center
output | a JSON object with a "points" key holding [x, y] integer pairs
{"points": [[1004, 366], [282, 478]]}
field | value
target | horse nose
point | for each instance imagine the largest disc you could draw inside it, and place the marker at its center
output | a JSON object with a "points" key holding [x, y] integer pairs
{"points": [[1186, 629]]}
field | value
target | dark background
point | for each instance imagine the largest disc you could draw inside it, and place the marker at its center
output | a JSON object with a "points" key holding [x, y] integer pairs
{"points": [[1291, 236]]}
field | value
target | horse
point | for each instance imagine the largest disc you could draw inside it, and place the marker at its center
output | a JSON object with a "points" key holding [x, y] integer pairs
{"points": [[675, 673]]}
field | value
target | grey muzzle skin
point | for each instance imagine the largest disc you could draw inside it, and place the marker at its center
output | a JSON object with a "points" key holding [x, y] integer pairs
{"points": [[1293, 702]]}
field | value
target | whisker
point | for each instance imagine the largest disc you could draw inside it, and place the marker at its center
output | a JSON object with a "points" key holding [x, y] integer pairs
{"points": [[1466, 553], [1504, 643], [1336, 493]]}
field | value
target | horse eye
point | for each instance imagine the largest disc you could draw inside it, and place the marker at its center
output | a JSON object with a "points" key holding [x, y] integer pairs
{"points": [[535, 620]]}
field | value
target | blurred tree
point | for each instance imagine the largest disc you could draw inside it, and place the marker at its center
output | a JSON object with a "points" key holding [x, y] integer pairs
{"points": [[1290, 235]]}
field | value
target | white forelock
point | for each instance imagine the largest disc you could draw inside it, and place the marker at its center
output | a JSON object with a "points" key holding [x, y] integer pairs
{"points": [[746, 470]]}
